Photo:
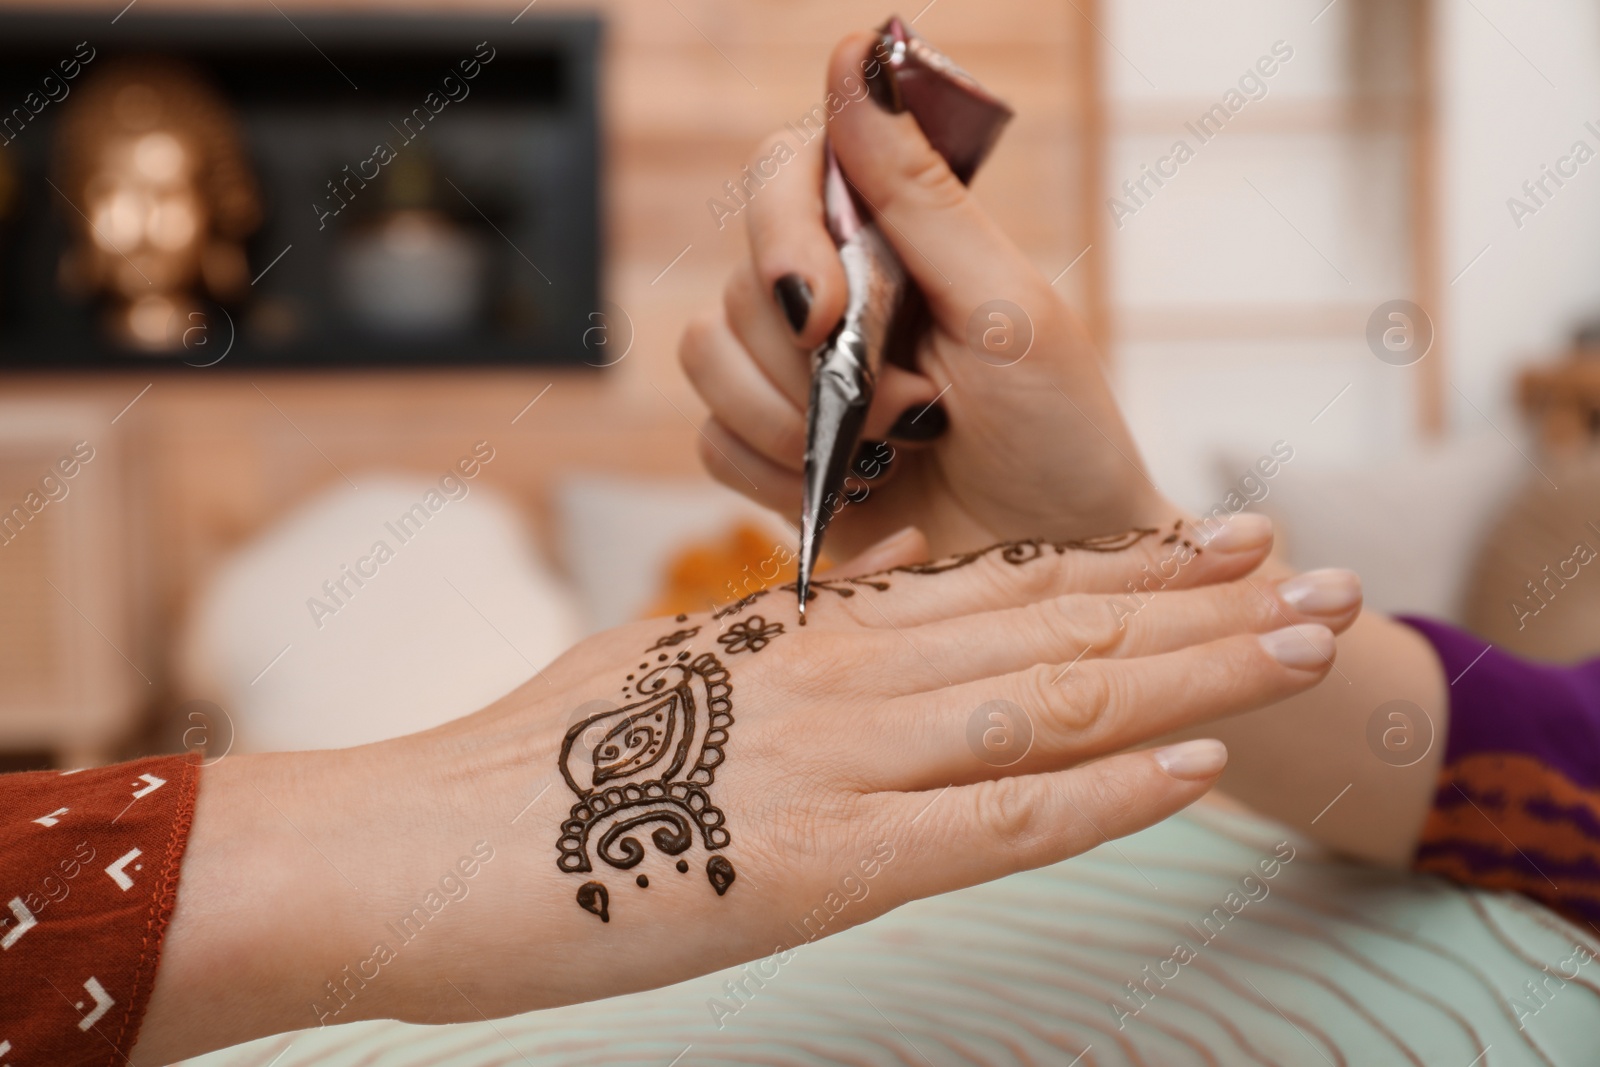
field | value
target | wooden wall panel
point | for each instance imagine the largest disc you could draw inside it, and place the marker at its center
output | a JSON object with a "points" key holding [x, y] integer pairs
{"points": [[215, 461]]}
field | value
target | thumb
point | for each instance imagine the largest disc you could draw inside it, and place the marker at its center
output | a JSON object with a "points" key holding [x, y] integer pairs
{"points": [[951, 248], [898, 549]]}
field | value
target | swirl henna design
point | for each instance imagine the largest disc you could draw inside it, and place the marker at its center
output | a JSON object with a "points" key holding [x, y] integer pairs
{"points": [[1015, 553], [644, 769]]}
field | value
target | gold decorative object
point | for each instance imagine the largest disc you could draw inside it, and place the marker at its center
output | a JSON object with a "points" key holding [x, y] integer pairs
{"points": [[161, 197]]}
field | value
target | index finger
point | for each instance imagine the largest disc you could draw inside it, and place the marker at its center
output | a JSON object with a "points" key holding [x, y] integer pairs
{"points": [[788, 239], [1008, 575]]}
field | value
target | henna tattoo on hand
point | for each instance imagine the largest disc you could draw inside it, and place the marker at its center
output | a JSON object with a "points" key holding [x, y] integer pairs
{"points": [[751, 635], [721, 873], [651, 763], [740, 604], [677, 637], [592, 897], [1177, 535], [1015, 553]]}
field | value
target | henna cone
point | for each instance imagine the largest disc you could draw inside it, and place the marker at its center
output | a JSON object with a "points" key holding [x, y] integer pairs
{"points": [[962, 121]]}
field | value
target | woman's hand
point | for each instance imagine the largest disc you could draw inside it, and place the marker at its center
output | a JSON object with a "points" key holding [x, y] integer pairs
{"points": [[679, 795], [987, 443], [1035, 448]]}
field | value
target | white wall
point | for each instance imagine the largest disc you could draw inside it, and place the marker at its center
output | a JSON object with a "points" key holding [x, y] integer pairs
{"points": [[1264, 217], [1502, 120]]}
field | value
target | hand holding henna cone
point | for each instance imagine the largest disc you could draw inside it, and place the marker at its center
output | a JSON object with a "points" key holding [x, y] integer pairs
{"points": [[962, 121]]}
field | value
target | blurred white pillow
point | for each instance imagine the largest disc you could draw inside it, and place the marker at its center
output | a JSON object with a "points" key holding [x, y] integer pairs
{"points": [[459, 611], [620, 535]]}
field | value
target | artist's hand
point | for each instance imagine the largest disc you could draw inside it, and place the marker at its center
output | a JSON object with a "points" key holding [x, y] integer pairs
{"points": [[1036, 448], [751, 771]]}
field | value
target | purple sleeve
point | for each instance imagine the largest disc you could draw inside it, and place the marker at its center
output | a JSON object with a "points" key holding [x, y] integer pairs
{"points": [[1500, 703], [1517, 804]]}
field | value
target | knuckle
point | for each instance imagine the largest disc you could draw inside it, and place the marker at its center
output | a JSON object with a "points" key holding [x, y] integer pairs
{"points": [[1028, 582], [812, 677], [1078, 623], [1075, 699], [782, 435], [765, 149], [777, 436], [741, 293], [717, 465], [1007, 811], [929, 179], [694, 346], [1236, 608], [790, 438], [1246, 606], [1113, 797], [815, 677]]}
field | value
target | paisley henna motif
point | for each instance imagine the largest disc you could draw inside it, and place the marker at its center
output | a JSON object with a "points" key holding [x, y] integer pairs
{"points": [[641, 773]]}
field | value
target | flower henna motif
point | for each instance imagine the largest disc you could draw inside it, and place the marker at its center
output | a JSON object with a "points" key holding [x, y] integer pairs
{"points": [[751, 635], [648, 765]]}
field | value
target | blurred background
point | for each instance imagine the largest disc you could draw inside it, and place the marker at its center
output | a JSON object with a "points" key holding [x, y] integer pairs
{"points": [[338, 381]]}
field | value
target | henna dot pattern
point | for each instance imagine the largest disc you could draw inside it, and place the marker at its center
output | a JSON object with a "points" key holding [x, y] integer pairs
{"points": [[643, 881], [683, 866]]}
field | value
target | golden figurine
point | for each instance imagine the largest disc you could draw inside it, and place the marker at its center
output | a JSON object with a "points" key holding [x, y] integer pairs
{"points": [[160, 195]]}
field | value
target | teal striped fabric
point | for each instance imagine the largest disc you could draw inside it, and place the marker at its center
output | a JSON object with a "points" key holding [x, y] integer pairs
{"points": [[1172, 947]]}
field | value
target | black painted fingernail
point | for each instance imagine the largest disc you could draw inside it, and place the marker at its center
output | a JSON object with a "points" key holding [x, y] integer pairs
{"points": [[872, 460], [881, 83], [921, 423], [794, 297]]}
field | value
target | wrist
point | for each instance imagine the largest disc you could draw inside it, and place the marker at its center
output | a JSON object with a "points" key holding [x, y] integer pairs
{"points": [[265, 901]]}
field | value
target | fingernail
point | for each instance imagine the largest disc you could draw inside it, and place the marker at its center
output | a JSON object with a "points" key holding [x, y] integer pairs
{"points": [[794, 297], [924, 423], [1193, 761], [872, 460], [1306, 647], [1325, 592], [1238, 533], [881, 83]]}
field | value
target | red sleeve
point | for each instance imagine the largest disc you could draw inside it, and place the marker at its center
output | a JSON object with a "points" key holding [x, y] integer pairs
{"points": [[89, 865]]}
